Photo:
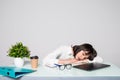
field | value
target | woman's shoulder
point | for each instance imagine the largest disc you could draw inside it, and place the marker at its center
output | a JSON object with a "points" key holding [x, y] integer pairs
{"points": [[97, 59]]}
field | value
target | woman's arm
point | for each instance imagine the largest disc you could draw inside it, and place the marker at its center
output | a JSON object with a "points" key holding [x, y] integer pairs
{"points": [[74, 61], [51, 58], [67, 61]]}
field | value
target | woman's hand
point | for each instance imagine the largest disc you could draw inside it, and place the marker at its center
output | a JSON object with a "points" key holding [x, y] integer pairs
{"points": [[81, 62]]}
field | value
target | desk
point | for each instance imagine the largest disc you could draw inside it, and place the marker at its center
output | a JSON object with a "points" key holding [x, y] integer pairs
{"points": [[46, 73]]}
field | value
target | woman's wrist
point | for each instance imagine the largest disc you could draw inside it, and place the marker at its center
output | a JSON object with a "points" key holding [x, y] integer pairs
{"points": [[67, 61], [70, 61]]}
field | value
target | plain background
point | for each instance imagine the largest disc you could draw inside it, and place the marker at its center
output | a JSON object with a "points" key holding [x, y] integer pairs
{"points": [[44, 25]]}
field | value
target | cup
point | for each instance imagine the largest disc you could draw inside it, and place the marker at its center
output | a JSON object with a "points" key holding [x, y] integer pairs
{"points": [[34, 61]]}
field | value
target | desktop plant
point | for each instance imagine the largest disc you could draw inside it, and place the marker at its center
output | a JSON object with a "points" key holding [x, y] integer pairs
{"points": [[19, 52]]}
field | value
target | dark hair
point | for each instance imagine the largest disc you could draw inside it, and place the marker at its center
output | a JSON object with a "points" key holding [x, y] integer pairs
{"points": [[86, 47]]}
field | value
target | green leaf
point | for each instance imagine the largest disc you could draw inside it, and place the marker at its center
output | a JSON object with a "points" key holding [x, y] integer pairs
{"points": [[18, 50]]}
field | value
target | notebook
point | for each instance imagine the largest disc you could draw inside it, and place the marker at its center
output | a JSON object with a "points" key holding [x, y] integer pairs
{"points": [[91, 66], [14, 72]]}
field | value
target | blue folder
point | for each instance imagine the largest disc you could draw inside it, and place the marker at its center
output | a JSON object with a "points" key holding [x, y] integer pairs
{"points": [[14, 72]]}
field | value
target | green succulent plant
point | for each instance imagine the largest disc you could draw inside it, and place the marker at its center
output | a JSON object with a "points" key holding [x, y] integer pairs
{"points": [[19, 51]]}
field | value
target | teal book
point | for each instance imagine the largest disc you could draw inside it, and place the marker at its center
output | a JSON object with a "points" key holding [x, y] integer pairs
{"points": [[14, 72]]}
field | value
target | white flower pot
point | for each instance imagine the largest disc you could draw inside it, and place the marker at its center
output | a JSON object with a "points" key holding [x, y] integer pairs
{"points": [[19, 62]]}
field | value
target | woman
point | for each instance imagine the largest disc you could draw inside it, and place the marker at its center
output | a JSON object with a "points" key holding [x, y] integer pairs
{"points": [[70, 55]]}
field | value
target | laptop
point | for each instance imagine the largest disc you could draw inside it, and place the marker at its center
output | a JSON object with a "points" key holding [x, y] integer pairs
{"points": [[91, 66]]}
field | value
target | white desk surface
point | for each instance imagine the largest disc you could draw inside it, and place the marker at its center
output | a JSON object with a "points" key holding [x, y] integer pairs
{"points": [[113, 71], [46, 73]]}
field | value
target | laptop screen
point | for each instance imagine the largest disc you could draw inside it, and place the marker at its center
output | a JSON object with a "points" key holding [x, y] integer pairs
{"points": [[91, 66]]}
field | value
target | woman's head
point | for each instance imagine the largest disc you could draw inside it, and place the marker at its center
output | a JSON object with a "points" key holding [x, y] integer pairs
{"points": [[84, 51]]}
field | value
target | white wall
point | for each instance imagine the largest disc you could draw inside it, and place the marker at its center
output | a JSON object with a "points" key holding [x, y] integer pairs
{"points": [[44, 25]]}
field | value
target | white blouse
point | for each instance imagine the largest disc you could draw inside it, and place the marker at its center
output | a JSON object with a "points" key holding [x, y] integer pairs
{"points": [[63, 52]]}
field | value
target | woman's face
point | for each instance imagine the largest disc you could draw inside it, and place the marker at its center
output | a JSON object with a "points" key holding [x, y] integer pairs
{"points": [[82, 55]]}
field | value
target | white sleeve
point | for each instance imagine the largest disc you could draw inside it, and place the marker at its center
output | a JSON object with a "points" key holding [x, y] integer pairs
{"points": [[97, 59], [51, 58]]}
